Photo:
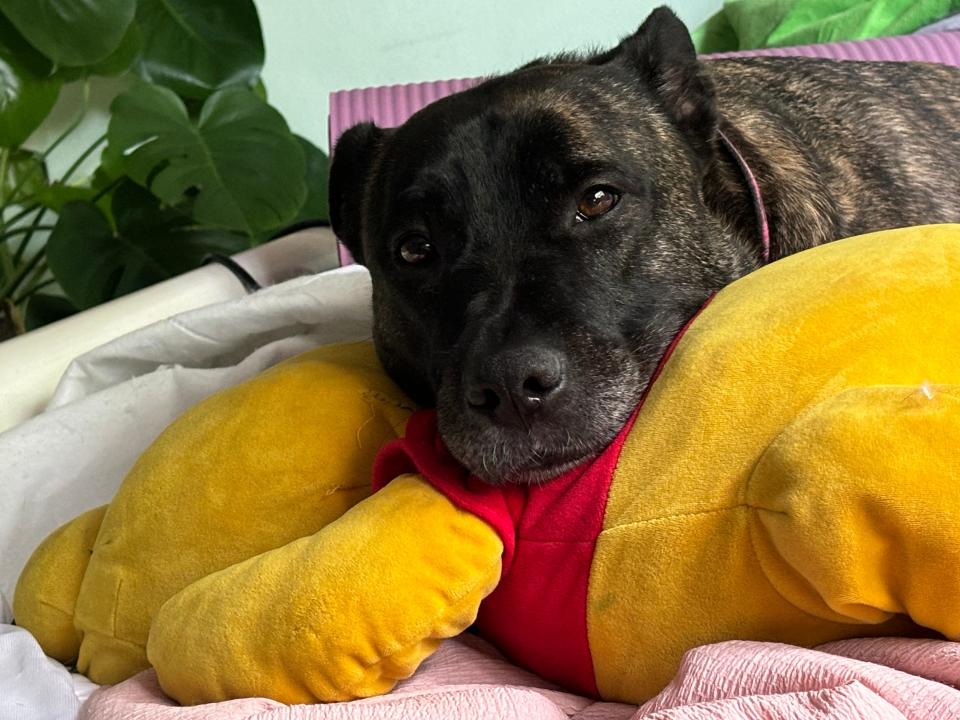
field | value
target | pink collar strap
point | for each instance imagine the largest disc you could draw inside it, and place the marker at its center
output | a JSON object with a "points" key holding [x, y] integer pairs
{"points": [[763, 226]]}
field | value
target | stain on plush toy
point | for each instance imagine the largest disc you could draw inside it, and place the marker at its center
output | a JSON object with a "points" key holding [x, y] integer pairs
{"points": [[922, 395]]}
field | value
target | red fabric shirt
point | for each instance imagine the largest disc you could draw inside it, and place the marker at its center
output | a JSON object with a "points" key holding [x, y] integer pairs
{"points": [[537, 615]]}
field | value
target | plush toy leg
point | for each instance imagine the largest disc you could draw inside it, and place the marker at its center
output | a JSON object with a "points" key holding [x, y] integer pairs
{"points": [[45, 598], [342, 614], [861, 507], [247, 470]]}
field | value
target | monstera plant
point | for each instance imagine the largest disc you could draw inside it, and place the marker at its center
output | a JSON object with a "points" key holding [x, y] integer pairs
{"points": [[193, 161]]}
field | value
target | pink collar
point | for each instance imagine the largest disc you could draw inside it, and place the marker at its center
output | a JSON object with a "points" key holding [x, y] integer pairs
{"points": [[761, 212]]}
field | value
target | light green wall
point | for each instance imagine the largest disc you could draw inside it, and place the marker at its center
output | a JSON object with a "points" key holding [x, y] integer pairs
{"points": [[315, 47]]}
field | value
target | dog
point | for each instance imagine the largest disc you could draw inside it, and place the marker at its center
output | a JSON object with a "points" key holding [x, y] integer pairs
{"points": [[535, 242]]}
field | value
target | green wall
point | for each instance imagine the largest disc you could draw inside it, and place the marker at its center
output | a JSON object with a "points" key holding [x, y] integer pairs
{"points": [[316, 47]]}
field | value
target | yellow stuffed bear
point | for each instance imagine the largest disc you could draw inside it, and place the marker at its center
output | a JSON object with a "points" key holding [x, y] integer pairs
{"points": [[791, 475]]}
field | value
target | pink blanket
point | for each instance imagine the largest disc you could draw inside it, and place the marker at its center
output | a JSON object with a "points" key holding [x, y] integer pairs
{"points": [[870, 679]]}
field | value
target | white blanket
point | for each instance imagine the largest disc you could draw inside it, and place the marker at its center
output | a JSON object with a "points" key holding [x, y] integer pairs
{"points": [[110, 405]]}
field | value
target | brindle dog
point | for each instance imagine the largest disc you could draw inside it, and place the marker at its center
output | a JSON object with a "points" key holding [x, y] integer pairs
{"points": [[536, 241]]}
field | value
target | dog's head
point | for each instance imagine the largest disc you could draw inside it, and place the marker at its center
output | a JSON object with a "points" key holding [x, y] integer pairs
{"points": [[536, 242]]}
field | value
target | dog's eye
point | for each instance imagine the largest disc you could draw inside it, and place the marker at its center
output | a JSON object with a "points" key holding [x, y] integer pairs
{"points": [[416, 249], [596, 201]]}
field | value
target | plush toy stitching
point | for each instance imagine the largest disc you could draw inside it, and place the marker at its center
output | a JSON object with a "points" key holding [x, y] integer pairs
{"points": [[46, 604], [751, 534], [116, 604], [672, 516]]}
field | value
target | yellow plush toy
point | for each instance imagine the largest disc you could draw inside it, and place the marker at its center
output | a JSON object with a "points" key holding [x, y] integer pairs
{"points": [[791, 475]]}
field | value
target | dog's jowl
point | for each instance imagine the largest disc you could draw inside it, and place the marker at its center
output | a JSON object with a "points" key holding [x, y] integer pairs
{"points": [[536, 241]]}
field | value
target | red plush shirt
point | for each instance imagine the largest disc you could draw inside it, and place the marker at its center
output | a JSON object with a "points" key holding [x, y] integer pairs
{"points": [[537, 615]]}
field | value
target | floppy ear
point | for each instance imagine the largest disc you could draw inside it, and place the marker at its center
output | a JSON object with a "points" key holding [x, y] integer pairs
{"points": [[353, 159], [662, 54]]}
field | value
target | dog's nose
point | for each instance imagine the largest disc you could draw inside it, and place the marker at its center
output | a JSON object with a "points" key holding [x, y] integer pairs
{"points": [[514, 384]]}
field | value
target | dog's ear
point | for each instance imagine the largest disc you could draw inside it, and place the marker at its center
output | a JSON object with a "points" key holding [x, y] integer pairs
{"points": [[353, 158], [661, 52]]}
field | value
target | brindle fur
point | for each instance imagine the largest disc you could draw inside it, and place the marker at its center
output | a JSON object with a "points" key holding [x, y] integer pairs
{"points": [[492, 175]]}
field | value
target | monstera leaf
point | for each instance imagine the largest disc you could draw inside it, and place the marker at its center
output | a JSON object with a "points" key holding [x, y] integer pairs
{"points": [[116, 63], [318, 168], [196, 48], [71, 32], [14, 45], [238, 162], [25, 100], [43, 309], [93, 263]]}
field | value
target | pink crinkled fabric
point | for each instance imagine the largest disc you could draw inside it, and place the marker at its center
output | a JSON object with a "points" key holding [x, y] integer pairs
{"points": [[863, 679]]}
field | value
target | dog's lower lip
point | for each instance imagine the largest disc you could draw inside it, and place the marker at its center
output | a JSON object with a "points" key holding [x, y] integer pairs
{"points": [[543, 470]]}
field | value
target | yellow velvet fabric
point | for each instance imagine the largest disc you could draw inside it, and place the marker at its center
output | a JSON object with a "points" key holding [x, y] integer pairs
{"points": [[247, 470], [795, 472], [46, 595], [342, 614]]}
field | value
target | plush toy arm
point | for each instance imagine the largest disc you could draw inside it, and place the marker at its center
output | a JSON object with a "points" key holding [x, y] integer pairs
{"points": [[46, 596], [861, 507], [342, 614]]}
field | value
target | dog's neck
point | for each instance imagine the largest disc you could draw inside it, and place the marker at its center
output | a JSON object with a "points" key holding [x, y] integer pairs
{"points": [[781, 174]]}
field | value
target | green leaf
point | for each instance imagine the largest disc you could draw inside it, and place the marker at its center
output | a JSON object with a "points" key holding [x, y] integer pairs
{"points": [[14, 45], [116, 63], [123, 58], [43, 309], [239, 162], [56, 195], [25, 100], [260, 90], [71, 32], [316, 206], [26, 174], [94, 264], [196, 48]]}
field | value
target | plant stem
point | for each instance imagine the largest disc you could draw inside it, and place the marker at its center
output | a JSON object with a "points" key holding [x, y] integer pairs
{"points": [[31, 289], [38, 272], [22, 214], [74, 124], [20, 230], [3, 183], [83, 156], [22, 247], [7, 267], [14, 282], [106, 190]]}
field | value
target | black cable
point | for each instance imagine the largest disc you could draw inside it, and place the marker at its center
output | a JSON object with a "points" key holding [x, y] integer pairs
{"points": [[245, 278]]}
